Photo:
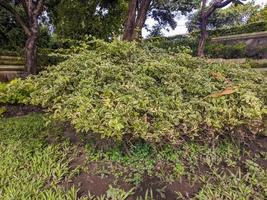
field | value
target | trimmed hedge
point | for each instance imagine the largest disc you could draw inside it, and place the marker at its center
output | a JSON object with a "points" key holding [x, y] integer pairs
{"points": [[226, 51], [212, 50], [248, 28]]}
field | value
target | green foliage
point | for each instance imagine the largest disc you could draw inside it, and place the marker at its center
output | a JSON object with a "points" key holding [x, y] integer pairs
{"points": [[35, 163], [260, 16], [112, 194], [121, 89], [15, 91], [234, 15], [172, 45], [48, 57], [164, 13], [248, 28], [225, 51], [177, 44], [257, 63], [231, 51], [61, 49], [30, 168], [11, 34], [2, 111], [189, 44], [100, 18], [237, 185]]}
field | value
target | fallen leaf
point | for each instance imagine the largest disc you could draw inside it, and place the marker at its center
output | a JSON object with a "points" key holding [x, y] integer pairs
{"points": [[227, 91]]}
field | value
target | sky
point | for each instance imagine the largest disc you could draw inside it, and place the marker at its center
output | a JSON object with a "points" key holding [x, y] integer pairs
{"points": [[181, 28]]}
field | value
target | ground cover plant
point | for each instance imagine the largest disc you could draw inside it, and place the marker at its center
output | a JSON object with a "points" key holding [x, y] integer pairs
{"points": [[114, 116], [50, 161], [28, 163], [129, 121], [122, 91]]}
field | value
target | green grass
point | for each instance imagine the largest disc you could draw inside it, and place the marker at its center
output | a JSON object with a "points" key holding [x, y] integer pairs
{"points": [[30, 168], [33, 168], [238, 185]]}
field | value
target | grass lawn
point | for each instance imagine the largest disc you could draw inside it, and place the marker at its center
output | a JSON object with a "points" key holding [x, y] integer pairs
{"points": [[48, 161]]}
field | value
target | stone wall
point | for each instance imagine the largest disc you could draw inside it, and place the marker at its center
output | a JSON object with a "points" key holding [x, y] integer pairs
{"points": [[254, 41]]}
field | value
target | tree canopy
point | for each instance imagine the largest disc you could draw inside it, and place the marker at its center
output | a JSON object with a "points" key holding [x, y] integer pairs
{"points": [[11, 34], [75, 19], [260, 16], [231, 16]]}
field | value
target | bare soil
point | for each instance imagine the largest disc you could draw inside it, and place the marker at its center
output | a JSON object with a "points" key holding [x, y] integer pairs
{"points": [[20, 110], [89, 182]]}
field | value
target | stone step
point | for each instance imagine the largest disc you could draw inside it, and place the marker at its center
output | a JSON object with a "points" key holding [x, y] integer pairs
{"points": [[11, 58], [11, 62], [12, 67]]}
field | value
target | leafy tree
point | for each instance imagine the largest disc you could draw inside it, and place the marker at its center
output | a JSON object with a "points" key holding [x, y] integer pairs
{"points": [[75, 19], [26, 14], [12, 37], [234, 15], [11, 34], [205, 13], [163, 11], [260, 16]]}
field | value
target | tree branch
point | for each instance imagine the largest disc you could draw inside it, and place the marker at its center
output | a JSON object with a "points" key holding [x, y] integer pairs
{"points": [[216, 5], [17, 17], [24, 5], [39, 7], [222, 4]]}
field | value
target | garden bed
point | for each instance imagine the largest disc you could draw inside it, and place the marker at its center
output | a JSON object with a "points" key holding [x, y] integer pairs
{"points": [[76, 169], [126, 121]]}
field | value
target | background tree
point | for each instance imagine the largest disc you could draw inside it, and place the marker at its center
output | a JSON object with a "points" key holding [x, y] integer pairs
{"points": [[234, 15], [26, 14], [75, 19], [163, 12], [12, 36], [205, 14], [260, 16]]}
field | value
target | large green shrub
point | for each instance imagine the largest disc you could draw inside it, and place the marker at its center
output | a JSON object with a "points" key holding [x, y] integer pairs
{"points": [[121, 90]]}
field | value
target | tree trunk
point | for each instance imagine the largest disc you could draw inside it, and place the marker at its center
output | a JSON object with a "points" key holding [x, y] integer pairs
{"points": [[203, 19], [31, 46], [32, 9], [203, 38], [130, 22], [141, 18], [31, 54], [203, 29]]}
